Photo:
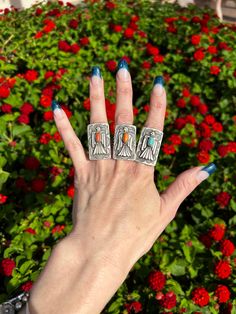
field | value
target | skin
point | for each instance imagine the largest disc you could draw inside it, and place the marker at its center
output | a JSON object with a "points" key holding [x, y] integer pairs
{"points": [[118, 213]]}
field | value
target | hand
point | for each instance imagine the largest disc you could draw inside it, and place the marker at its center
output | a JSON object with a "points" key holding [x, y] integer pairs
{"points": [[117, 212]]}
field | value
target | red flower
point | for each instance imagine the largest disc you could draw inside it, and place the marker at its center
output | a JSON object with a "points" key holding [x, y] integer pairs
{"points": [[146, 65], [3, 198], [73, 23], [134, 307], [30, 230], [223, 199], [206, 240], [129, 33], [185, 92], [58, 228], [206, 145], [146, 108], [84, 41], [181, 103], [222, 293], [158, 59], [168, 149], [175, 139], [38, 35], [205, 130], [26, 108], [223, 150], [111, 65], [200, 296], [195, 100], [6, 267], [209, 119], [195, 39], [152, 50], [74, 48], [4, 91], [217, 232], [86, 104], [203, 157], [133, 25], [198, 55], [45, 101], [116, 28], [190, 119], [168, 301], [71, 191], [156, 280], [31, 163], [47, 224], [110, 5], [171, 29], [217, 127], [202, 108], [49, 26], [180, 123], [212, 49], [57, 136], [214, 69], [232, 147], [222, 269], [6, 108], [227, 247], [38, 185], [63, 46], [48, 116], [27, 286], [31, 75], [38, 11], [24, 119]]}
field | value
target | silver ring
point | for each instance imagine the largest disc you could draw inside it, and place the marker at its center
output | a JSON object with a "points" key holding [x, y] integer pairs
{"points": [[124, 145], [99, 141], [149, 146]]}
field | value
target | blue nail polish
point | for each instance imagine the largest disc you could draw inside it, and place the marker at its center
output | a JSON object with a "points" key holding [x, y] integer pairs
{"points": [[210, 168], [55, 105], [122, 64], [96, 71], [158, 80]]}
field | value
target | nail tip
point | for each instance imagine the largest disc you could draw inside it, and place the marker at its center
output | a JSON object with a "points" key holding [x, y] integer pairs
{"points": [[211, 168], [159, 80], [122, 64], [55, 105], [96, 71]]}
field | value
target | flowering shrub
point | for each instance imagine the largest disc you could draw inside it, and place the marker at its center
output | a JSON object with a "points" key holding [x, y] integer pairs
{"points": [[47, 52]]}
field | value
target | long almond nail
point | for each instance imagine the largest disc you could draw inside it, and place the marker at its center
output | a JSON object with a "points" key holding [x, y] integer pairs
{"points": [[205, 172]]}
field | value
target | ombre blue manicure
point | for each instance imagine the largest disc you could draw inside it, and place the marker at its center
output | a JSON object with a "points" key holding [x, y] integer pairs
{"points": [[210, 168], [55, 105], [96, 71], [158, 80], [122, 64]]}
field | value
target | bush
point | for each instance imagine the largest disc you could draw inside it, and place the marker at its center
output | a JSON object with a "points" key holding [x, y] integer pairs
{"points": [[47, 52]]}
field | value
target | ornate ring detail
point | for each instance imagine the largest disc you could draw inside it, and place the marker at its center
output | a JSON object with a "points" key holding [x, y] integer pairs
{"points": [[99, 141], [124, 142]]}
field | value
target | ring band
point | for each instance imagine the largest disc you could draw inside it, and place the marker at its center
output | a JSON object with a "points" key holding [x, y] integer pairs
{"points": [[149, 146], [99, 141], [124, 145]]}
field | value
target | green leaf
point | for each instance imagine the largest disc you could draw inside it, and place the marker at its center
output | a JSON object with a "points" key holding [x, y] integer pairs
{"points": [[20, 129], [3, 177], [25, 267], [178, 267], [175, 286]]}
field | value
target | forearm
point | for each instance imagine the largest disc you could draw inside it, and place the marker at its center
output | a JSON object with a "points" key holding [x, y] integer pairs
{"points": [[71, 283]]}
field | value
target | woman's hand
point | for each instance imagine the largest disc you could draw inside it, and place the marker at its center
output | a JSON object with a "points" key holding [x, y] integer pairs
{"points": [[117, 211]]}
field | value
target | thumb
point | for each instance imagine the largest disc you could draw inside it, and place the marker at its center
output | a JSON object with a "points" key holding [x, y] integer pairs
{"points": [[183, 185]]}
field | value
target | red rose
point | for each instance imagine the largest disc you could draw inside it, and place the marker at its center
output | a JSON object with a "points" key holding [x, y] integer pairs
{"points": [[45, 101], [31, 75], [3, 198], [209, 119], [158, 59], [217, 127], [206, 145], [200, 296], [156, 280], [71, 191], [172, 29], [185, 92], [227, 247], [38, 35], [111, 65], [134, 307], [175, 139], [110, 5], [223, 150], [146, 108], [23, 118], [222, 293], [181, 103], [133, 25], [48, 74], [38, 11], [190, 119], [38, 185], [168, 301], [168, 149], [180, 123], [217, 232], [27, 286], [55, 171], [84, 41], [212, 49], [45, 138], [141, 34], [86, 104], [6, 108], [74, 48], [203, 157], [30, 230], [4, 91], [198, 55], [63, 46], [222, 269], [205, 130], [49, 26], [6, 267], [195, 39], [152, 50], [31, 163], [195, 100], [26, 108], [214, 69], [48, 116], [57, 137], [232, 147], [47, 224], [202, 108], [223, 199], [73, 23], [58, 228], [128, 33], [146, 65]]}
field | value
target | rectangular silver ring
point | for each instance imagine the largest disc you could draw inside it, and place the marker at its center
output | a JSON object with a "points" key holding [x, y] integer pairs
{"points": [[99, 141], [124, 145], [149, 146]]}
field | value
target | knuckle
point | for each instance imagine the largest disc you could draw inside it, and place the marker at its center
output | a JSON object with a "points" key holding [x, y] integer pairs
{"points": [[73, 144], [95, 95], [124, 90], [185, 183], [124, 116]]}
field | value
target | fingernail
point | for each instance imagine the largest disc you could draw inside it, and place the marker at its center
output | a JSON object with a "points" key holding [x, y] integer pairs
{"points": [[96, 75], [56, 108], [158, 85], [205, 172], [123, 69]]}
